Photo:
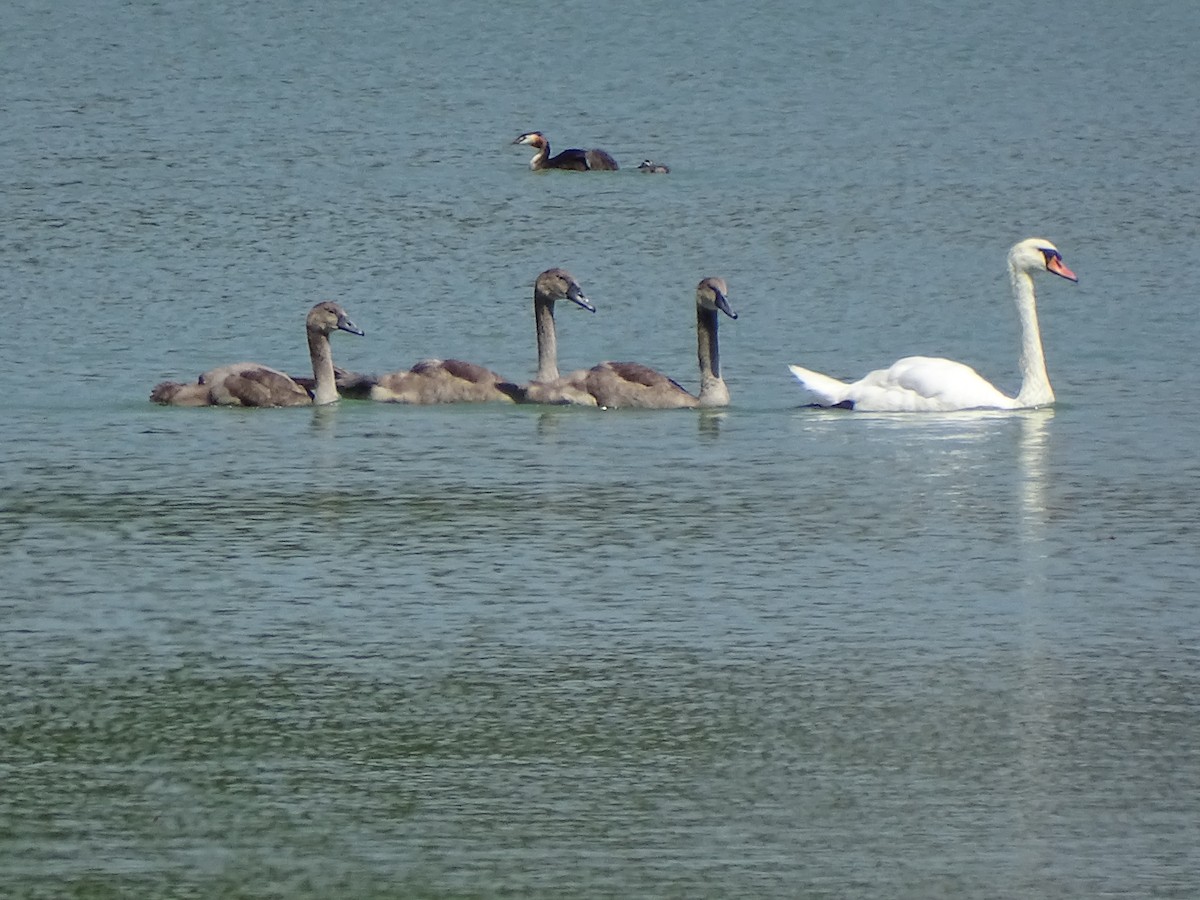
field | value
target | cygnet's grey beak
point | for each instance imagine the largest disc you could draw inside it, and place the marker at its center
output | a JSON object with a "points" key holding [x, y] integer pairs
{"points": [[723, 305], [576, 295], [344, 324]]}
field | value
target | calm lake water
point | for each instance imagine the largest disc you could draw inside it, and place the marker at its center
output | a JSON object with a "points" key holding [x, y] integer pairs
{"points": [[769, 651]]}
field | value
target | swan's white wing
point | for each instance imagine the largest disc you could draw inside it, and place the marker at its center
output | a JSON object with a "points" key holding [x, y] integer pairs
{"points": [[828, 390], [927, 383], [912, 384]]}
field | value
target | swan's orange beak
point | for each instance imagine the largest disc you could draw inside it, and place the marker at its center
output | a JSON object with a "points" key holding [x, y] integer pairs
{"points": [[1055, 265]]}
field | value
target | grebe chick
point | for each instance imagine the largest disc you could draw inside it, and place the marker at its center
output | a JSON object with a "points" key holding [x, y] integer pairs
{"points": [[253, 384], [653, 168], [575, 160]]}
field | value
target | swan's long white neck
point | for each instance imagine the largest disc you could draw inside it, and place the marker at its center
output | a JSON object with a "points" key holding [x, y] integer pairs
{"points": [[325, 391], [547, 340], [1035, 381], [713, 391]]}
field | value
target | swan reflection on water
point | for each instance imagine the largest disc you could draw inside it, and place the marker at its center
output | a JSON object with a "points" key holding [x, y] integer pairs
{"points": [[1032, 448], [941, 445], [709, 421], [324, 419], [550, 419]]}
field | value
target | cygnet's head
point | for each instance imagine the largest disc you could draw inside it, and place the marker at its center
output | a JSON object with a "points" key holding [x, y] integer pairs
{"points": [[327, 317], [710, 294], [559, 284]]}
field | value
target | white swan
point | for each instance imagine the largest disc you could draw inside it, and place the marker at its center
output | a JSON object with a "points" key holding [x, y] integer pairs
{"points": [[928, 384]]}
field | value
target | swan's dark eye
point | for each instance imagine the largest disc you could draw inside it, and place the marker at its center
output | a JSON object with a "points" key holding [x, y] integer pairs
{"points": [[1050, 254]]}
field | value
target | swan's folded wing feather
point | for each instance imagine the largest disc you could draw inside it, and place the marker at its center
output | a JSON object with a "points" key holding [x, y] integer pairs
{"points": [[935, 383], [636, 373], [442, 381], [469, 371], [635, 386], [261, 387], [911, 384], [829, 390]]}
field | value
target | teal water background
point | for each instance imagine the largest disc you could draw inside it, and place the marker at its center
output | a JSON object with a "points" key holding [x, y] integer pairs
{"points": [[770, 651]]}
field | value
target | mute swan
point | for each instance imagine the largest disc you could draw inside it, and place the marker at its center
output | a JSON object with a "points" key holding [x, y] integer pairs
{"points": [[922, 383], [616, 385], [252, 384], [576, 160], [547, 386]]}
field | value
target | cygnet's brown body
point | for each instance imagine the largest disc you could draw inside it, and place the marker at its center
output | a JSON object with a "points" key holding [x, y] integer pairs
{"points": [[433, 381], [617, 385], [574, 160], [253, 384]]}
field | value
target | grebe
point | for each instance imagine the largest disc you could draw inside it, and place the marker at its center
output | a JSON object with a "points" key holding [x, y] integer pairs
{"points": [[574, 159], [616, 385], [253, 384], [922, 383], [653, 168]]}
